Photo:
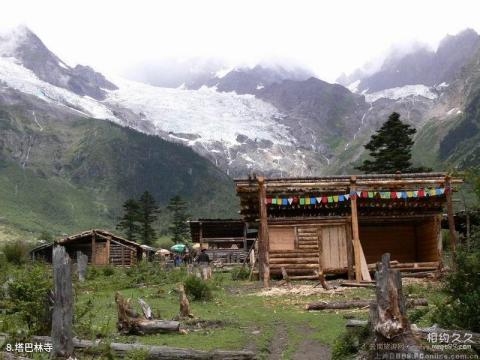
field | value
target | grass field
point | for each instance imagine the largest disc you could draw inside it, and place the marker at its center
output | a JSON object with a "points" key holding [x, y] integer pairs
{"points": [[241, 315]]}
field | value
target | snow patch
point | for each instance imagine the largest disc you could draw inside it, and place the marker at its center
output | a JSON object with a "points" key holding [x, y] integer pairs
{"points": [[19, 78], [353, 87], [213, 116], [402, 92]]}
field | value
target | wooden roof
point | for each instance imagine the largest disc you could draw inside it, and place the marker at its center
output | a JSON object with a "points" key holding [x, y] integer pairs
{"points": [[247, 190], [100, 234]]}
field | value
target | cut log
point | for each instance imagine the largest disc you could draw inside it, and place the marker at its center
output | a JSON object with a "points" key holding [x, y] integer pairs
{"points": [[129, 322], [62, 314], [367, 285], [82, 261], [157, 352], [356, 304]]}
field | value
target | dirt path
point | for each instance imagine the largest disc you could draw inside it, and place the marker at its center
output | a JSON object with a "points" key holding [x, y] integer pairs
{"points": [[312, 350], [279, 342], [307, 350]]}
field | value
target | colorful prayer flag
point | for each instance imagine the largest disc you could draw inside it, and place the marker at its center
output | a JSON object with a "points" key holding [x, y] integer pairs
{"points": [[335, 198], [302, 201]]}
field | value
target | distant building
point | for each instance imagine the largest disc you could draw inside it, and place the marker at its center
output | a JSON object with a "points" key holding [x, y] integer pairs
{"points": [[101, 248], [226, 240]]}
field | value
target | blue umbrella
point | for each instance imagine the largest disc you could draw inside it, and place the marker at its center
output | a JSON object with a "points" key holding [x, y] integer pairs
{"points": [[179, 248]]}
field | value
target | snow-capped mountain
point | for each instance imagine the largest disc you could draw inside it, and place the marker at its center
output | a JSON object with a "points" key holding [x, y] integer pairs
{"points": [[239, 133], [422, 66], [268, 119]]}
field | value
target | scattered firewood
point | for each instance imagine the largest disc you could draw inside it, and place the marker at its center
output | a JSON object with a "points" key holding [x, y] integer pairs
{"points": [[129, 322], [158, 352], [356, 304]]}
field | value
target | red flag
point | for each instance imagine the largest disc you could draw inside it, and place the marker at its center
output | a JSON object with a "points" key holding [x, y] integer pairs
{"points": [[421, 193], [393, 195], [365, 194], [324, 199], [269, 200]]}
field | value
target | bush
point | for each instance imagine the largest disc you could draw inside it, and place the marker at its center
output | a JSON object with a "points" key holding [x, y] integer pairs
{"points": [[349, 343], [15, 252], [197, 289], [240, 273], [108, 270], [27, 297], [460, 309]]}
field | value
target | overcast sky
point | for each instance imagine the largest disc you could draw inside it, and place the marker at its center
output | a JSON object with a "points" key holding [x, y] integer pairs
{"points": [[330, 37]]}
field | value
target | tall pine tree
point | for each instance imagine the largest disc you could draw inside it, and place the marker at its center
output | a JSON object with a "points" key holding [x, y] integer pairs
{"points": [[178, 227], [391, 148], [129, 221], [148, 213]]}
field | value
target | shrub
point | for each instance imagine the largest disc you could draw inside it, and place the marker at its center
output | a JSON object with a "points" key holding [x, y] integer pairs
{"points": [[240, 273], [197, 289], [349, 343], [460, 309], [15, 252], [108, 270], [28, 291]]}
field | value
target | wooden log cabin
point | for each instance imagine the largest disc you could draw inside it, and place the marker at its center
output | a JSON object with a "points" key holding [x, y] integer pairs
{"points": [[101, 248], [327, 225], [225, 240]]}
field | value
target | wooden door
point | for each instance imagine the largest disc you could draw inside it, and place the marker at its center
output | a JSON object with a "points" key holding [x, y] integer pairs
{"points": [[101, 253], [333, 247]]}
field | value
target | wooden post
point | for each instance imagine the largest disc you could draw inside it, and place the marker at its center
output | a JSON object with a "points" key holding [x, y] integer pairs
{"points": [[62, 315], [108, 249], [355, 231], [264, 247], [94, 245], [200, 224], [451, 220], [82, 261]]}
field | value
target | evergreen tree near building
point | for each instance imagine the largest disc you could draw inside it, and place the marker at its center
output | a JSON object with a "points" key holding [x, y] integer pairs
{"points": [[129, 223], [391, 149], [178, 227], [148, 214]]}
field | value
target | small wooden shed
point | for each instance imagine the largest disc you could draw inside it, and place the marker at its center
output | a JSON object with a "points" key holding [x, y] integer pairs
{"points": [[227, 240], [330, 224], [100, 246]]}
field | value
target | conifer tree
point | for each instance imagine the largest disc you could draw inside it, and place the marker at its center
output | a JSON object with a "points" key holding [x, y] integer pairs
{"points": [[148, 213], [129, 221], [391, 148], [178, 227]]}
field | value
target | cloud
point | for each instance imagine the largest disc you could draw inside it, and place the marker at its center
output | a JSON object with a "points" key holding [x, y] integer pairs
{"points": [[329, 37]]}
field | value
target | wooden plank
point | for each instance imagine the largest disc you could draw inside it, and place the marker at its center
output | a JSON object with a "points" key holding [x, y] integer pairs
{"points": [[364, 267], [355, 232]]}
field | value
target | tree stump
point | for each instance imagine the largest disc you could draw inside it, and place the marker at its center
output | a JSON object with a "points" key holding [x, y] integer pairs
{"points": [[82, 261], [62, 314], [388, 317], [184, 304]]}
